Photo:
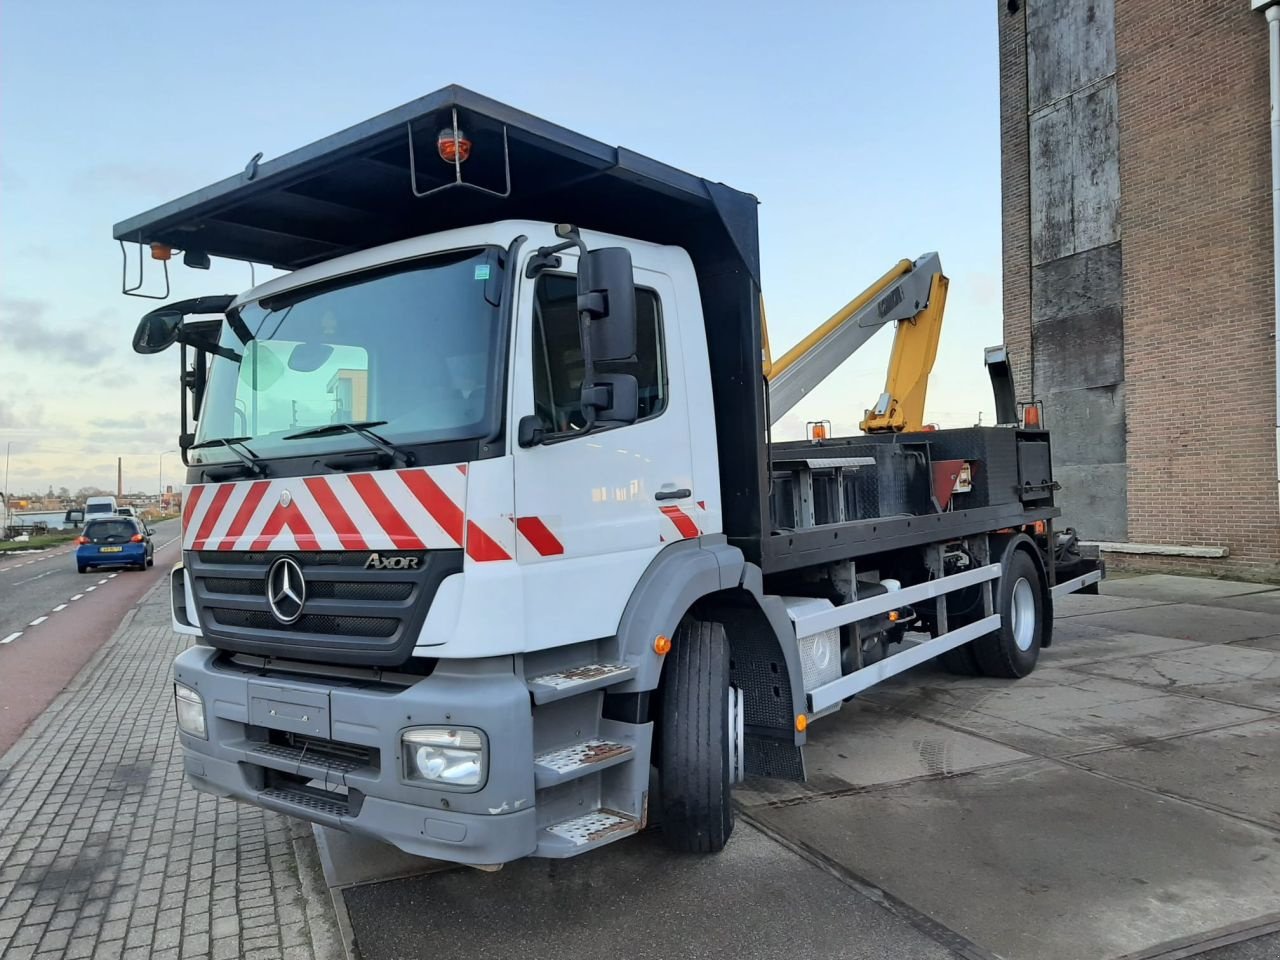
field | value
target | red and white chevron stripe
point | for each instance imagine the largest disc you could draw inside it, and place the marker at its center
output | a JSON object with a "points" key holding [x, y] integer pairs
{"points": [[419, 508], [682, 522]]}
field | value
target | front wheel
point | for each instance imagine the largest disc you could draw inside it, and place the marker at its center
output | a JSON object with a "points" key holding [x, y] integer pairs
{"points": [[698, 754], [1012, 651]]}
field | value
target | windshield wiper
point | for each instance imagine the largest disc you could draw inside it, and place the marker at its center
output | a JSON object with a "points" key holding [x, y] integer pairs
{"points": [[247, 456], [360, 428]]}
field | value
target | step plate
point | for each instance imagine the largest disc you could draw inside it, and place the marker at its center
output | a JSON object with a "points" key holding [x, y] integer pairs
{"points": [[575, 680], [585, 754], [594, 827], [592, 673]]}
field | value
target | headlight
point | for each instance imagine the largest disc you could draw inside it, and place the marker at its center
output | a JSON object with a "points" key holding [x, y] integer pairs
{"points": [[190, 711], [444, 755]]}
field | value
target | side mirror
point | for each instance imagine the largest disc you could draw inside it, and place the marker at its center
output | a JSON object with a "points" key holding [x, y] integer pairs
{"points": [[530, 431], [157, 331], [607, 292], [615, 397]]}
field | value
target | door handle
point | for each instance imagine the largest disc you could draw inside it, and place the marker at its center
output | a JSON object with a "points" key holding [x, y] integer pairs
{"points": [[680, 494]]}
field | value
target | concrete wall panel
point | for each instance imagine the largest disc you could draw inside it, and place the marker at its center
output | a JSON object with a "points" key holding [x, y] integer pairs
{"points": [[1078, 352], [1088, 281], [1095, 161], [1092, 499], [1052, 193], [1087, 426], [1070, 43]]}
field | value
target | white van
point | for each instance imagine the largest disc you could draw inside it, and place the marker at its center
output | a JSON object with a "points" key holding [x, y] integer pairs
{"points": [[100, 507]]}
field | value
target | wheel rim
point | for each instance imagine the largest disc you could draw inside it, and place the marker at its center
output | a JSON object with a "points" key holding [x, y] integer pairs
{"points": [[1024, 614], [737, 768]]}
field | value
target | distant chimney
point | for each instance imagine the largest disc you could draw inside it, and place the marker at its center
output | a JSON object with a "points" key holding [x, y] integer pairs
{"points": [[119, 476]]}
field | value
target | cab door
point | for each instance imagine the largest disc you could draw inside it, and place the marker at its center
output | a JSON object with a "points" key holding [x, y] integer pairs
{"points": [[594, 507]]}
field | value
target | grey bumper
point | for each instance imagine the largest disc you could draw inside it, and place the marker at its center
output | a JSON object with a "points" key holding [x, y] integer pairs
{"points": [[248, 755]]}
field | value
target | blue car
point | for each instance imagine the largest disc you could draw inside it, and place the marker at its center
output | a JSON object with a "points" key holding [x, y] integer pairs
{"points": [[114, 542]]}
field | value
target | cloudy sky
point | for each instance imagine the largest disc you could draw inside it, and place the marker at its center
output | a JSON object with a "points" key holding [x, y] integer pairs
{"points": [[869, 131]]}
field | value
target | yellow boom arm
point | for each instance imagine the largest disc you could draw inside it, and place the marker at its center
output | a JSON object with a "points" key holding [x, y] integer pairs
{"points": [[915, 347], [911, 294]]}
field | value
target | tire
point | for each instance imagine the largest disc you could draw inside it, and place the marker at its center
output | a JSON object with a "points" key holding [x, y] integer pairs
{"points": [[151, 561], [693, 763], [960, 661], [80, 569], [1012, 651]]}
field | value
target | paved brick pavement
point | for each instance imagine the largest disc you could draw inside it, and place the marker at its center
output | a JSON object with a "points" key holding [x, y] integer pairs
{"points": [[105, 852]]}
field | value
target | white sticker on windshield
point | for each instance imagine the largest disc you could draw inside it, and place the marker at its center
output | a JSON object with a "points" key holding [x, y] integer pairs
{"points": [[482, 271]]}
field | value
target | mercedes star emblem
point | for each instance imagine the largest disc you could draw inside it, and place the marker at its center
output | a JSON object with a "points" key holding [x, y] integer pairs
{"points": [[286, 590]]}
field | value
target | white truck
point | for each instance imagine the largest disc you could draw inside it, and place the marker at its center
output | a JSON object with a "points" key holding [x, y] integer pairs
{"points": [[482, 518]]}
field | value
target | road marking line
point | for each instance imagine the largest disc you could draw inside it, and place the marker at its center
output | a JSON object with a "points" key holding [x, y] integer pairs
{"points": [[37, 621], [11, 637], [90, 589], [113, 576], [104, 580], [77, 596], [61, 606], [38, 576]]}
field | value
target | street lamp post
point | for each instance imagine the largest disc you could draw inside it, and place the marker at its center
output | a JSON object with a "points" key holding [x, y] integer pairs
{"points": [[7, 447], [160, 492]]}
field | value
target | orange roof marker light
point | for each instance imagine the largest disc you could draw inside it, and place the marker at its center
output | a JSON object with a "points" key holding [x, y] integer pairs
{"points": [[453, 145], [161, 251], [661, 645], [802, 723]]}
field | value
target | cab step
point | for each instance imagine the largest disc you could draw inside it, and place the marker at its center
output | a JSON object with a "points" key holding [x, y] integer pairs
{"points": [[570, 682], [578, 760], [585, 832]]}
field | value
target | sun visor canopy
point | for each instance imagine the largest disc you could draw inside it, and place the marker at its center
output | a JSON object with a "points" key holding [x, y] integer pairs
{"points": [[358, 188]]}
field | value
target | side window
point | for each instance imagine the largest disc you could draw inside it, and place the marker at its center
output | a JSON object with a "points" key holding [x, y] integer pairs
{"points": [[557, 355]]}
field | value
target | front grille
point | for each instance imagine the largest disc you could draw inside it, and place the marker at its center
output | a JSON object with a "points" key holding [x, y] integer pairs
{"points": [[337, 756], [351, 615], [309, 623], [335, 558], [318, 590]]}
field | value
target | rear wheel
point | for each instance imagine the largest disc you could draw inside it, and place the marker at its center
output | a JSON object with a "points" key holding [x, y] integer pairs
{"points": [[82, 569], [1012, 651], [698, 752]]}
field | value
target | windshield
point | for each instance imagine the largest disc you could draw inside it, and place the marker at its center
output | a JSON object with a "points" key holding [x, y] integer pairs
{"points": [[108, 530], [412, 345], [99, 508]]}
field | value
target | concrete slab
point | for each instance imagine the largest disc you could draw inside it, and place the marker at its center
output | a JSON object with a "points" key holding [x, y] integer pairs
{"points": [[866, 745], [1228, 672], [1261, 643], [1043, 862], [348, 859], [1234, 768], [1266, 947], [755, 901], [1165, 587], [1075, 604], [1268, 603], [1059, 712], [1187, 621], [1079, 646]]}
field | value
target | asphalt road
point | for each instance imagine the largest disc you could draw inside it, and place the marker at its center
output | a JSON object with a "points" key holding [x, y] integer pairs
{"points": [[53, 619]]}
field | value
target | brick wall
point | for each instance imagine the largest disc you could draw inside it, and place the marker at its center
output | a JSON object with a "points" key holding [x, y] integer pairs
{"points": [[1016, 193], [1198, 296], [1195, 226]]}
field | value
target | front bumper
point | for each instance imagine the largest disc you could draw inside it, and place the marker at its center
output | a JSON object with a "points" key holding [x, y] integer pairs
{"points": [[253, 716], [130, 556]]}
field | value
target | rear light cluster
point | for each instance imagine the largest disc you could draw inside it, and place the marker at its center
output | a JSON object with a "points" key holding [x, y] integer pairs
{"points": [[82, 539], [136, 538]]}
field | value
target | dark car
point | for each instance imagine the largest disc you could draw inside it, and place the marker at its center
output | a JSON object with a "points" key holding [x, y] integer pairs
{"points": [[114, 542]]}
